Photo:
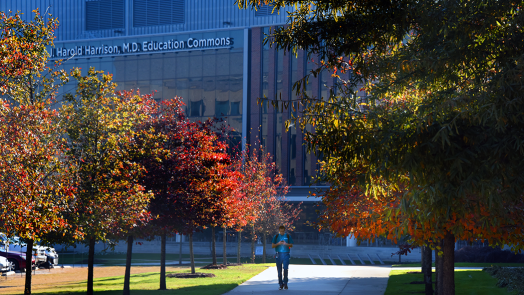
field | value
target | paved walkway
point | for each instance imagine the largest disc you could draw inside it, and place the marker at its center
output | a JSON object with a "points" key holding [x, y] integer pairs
{"points": [[320, 279]]}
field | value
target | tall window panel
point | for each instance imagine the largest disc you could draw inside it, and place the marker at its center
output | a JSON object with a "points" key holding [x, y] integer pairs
{"points": [[264, 117], [278, 111], [148, 13], [104, 14], [309, 170], [292, 152]]}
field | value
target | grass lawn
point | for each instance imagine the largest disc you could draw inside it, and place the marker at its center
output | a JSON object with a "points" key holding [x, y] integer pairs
{"points": [[467, 282], [466, 264], [120, 259], [115, 259], [200, 260], [148, 282]]}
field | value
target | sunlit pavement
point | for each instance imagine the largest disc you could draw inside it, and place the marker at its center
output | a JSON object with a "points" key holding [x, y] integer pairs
{"points": [[320, 279]]}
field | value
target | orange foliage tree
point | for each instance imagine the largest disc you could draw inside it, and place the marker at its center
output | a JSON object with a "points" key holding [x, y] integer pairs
{"points": [[102, 144], [266, 190], [36, 187]]}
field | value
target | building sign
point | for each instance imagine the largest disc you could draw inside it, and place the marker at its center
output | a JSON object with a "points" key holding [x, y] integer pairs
{"points": [[141, 47]]}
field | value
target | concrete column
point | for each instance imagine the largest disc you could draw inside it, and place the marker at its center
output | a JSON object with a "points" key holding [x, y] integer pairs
{"points": [[351, 241]]}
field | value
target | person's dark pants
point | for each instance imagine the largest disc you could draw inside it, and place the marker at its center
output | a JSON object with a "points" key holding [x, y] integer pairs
{"points": [[282, 258]]}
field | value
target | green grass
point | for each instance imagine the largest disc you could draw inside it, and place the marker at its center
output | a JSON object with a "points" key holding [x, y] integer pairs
{"points": [[467, 282], [120, 259], [148, 283], [466, 264]]}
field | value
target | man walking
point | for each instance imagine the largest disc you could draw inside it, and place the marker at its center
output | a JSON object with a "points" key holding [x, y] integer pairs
{"points": [[282, 242]]}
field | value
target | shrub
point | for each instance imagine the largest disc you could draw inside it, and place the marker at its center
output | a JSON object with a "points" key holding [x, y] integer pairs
{"points": [[512, 278], [487, 254]]}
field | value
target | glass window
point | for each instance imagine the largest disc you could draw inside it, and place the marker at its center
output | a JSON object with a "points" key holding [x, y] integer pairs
{"points": [[235, 108], [196, 108], [182, 67], [222, 108], [235, 65], [209, 64], [222, 87], [195, 70], [144, 68], [144, 86], [168, 89], [119, 69], [131, 69], [130, 85], [182, 90], [209, 93], [279, 75], [157, 68], [222, 64], [169, 66], [278, 142], [156, 87], [195, 96]]}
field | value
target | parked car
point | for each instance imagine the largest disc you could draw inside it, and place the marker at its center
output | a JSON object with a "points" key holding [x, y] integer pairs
{"points": [[52, 257], [5, 265], [16, 245], [16, 259]]}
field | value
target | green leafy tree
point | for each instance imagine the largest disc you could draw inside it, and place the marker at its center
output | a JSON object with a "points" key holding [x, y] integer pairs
{"points": [[439, 128], [101, 131]]}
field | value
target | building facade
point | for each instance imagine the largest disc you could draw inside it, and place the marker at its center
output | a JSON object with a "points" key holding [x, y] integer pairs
{"points": [[208, 52]]}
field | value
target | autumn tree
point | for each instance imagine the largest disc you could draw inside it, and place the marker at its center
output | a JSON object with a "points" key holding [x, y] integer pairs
{"points": [[35, 184], [266, 190], [200, 200], [189, 175], [440, 117], [101, 132], [169, 125], [240, 208]]}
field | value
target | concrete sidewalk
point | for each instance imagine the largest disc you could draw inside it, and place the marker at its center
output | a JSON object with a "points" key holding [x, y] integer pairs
{"points": [[320, 279]]}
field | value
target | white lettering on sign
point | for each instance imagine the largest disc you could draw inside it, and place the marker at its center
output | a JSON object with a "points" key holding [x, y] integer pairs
{"points": [[144, 46]]}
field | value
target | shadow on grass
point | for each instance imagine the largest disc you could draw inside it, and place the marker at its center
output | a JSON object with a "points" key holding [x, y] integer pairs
{"points": [[467, 282], [148, 283], [196, 290]]}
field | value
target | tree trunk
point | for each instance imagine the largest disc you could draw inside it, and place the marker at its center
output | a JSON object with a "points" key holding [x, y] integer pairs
{"points": [[239, 246], [422, 259], [438, 271], [191, 256], [264, 248], [253, 237], [180, 251], [426, 269], [28, 267], [213, 246], [224, 244], [129, 255], [90, 265], [163, 261], [448, 265]]}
